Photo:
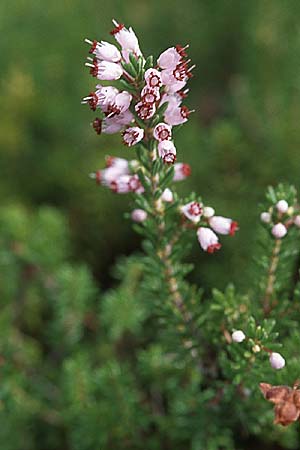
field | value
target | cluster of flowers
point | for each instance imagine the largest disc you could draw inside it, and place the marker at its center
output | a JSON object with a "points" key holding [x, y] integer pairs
{"points": [[286, 401], [276, 359], [120, 176], [280, 218], [161, 85], [207, 237]]}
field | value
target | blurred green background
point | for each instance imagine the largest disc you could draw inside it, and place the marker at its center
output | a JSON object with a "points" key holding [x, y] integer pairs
{"points": [[244, 135]]}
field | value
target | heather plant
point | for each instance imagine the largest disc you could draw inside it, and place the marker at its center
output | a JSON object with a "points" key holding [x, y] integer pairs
{"points": [[232, 339]]}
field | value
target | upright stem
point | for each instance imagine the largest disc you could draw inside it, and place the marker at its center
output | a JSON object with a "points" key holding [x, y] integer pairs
{"points": [[271, 277]]}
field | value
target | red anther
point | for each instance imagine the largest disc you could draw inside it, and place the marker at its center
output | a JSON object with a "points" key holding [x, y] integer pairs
{"points": [[117, 29]]}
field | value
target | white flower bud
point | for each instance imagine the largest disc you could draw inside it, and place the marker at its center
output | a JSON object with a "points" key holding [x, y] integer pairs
{"points": [[277, 361], [167, 195], [238, 336], [208, 212], [282, 206], [265, 217], [139, 215], [279, 230]]}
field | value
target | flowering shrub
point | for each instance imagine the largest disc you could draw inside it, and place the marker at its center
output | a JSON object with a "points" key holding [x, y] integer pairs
{"points": [[230, 337]]}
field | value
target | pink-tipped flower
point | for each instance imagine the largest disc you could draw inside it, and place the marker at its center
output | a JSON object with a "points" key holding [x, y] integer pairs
{"points": [[127, 39], [153, 78], [105, 70], [171, 82], [139, 215], [132, 136], [167, 195], [182, 171], [277, 361], [150, 95], [297, 221], [120, 185], [282, 206], [162, 132], [208, 240], [135, 185], [265, 217], [120, 164], [121, 102], [167, 151], [104, 50], [145, 110], [193, 211], [177, 115], [279, 231], [223, 225], [169, 59], [238, 336], [114, 124]]}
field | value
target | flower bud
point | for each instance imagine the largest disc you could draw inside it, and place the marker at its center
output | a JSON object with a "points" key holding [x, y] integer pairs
{"points": [[223, 225], [167, 195], [279, 230], [208, 212], [208, 240], [138, 215], [238, 336], [282, 206], [277, 361], [265, 217]]}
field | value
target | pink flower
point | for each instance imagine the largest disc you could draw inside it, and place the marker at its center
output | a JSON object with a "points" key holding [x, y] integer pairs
{"points": [[167, 195], [153, 78], [127, 39], [135, 184], [169, 59], [171, 82], [238, 336], [145, 110], [120, 185], [111, 125], [279, 230], [223, 225], [150, 95], [177, 115], [106, 96], [167, 151], [120, 164], [132, 136], [193, 211], [105, 70], [139, 215], [104, 50], [162, 132], [208, 240], [121, 102], [182, 171]]}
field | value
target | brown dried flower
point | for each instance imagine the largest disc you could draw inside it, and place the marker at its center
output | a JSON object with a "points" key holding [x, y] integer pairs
{"points": [[286, 400]]}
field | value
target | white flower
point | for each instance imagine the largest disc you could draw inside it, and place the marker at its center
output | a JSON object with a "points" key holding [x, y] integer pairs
{"points": [[127, 39], [282, 206], [177, 115], [238, 336], [132, 136], [167, 151], [150, 95], [106, 70], [169, 59], [153, 78], [297, 221], [208, 212], [277, 361], [162, 132], [279, 230], [167, 195], [223, 225], [105, 50], [193, 211], [182, 171], [139, 215], [122, 102], [121, 164], [208, 240], [145, 110], [171, 82], [265, 217]]}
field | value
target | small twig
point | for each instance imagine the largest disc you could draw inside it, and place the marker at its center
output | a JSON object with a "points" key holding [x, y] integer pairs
{"points": [[267, 307]]}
